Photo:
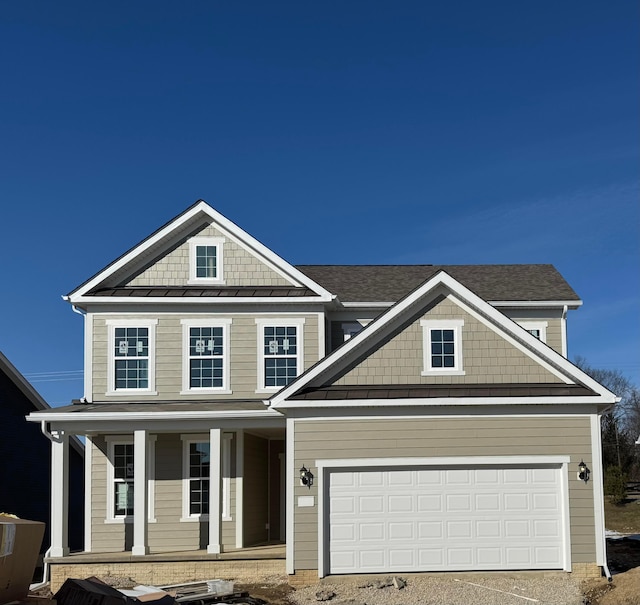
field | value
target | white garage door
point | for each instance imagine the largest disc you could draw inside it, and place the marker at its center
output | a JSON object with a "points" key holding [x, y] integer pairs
{"points": [[435, 519]]}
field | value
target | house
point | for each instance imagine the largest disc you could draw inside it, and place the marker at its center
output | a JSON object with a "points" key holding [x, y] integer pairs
{"points": [[26, 452], [240, 412]]}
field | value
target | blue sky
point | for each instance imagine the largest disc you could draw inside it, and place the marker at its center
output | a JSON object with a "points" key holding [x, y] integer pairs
{"points": [[334, 132]]}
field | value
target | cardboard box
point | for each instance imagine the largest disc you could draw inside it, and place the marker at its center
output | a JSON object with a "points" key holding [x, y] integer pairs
{"points": [[20, 542]]}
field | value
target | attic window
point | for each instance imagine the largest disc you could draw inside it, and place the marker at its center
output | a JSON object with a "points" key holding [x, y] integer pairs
{"points": [[536, 328], [205, 260], [442, 346]]}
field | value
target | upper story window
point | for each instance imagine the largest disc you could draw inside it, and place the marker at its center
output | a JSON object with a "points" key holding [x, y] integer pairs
{"points": [[442, 347], [206, 357], [131, 356], [205, 260], [280, 352], [536, 328]]}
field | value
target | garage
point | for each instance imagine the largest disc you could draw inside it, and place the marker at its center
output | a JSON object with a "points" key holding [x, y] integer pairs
{"points": [[448, 518]]}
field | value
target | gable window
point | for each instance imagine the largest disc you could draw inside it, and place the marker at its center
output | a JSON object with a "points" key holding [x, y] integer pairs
{"points": [[535, 328], [196, 454], [280, 352], [205, 260], [442, 347], [131, 356], [206, 356]]}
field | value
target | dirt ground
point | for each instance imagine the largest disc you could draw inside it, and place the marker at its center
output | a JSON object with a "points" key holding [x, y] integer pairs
{"points": [[624, 564]]}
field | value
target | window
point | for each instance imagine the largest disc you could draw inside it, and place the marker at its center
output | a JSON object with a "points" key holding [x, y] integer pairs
{"points": [[442, 347], [205, 262], [197, 461], [121, 475], [536, 328], [279, 351], [198, 478], [122, 479], [206, 346], [131, 356]]}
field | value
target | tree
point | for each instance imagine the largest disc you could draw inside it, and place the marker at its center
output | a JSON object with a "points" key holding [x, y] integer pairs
{"points": [[621, 424]]}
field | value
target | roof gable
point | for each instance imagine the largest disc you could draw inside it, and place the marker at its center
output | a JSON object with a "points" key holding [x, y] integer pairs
{"points": [[373, 347], [158, 267]]}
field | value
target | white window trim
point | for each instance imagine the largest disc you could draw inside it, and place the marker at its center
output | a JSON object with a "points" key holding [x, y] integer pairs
{"points": [[206, 241], [261, 324], [112, 324], [187, 440], [442, 324], [541, 326], [151, 472], [225, 324]]}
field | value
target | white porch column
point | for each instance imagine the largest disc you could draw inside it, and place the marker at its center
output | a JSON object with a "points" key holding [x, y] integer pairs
{"points": [[215, 485], [59, 494], [140, 498]]}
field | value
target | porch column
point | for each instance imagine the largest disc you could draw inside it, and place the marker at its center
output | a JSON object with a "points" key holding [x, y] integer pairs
{"points": [[215, 484], [59, 494], [140, 498]]}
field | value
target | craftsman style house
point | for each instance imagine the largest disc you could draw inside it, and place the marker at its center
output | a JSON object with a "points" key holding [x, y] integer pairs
{"points": [[373, 418]]}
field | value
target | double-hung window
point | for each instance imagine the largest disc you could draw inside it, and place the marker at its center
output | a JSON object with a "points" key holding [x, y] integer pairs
{"points": [[206, 260], [442, 347], [206, 356], [121, 476], [197, 488], [131, 356], [280, 351], [122, 479]]}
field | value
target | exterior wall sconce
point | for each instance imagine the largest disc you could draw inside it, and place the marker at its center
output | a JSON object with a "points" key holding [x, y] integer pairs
{"points": [[583, 471], [306, 477]]}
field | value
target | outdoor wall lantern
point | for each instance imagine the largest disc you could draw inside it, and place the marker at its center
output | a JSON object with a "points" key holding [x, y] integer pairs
{"points": [[583, 471], [306, 477]]}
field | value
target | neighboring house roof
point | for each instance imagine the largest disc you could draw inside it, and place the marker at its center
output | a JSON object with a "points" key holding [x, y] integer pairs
{"points": [[389, 283], [31, 395]]}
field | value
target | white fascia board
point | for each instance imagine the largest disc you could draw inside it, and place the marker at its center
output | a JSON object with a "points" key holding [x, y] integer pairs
{"points": [[200, 300], [482, 307], [437, 401], [137, 416], [367, 305], [534, 304], [278, 263]]}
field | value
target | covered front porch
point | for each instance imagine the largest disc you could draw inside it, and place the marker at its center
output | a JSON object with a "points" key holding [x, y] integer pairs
{"points": [[177, 492]]}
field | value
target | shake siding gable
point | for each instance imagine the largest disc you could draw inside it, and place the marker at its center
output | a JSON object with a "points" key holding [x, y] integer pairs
{"points": [[440, 437], [240, 267], [486, 356]]}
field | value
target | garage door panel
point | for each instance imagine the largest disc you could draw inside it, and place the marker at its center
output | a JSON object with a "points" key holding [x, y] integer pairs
{"points": [[445, 519]]}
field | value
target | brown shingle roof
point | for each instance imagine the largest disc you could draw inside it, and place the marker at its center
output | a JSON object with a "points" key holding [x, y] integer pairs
{"points": [[389, 283]]}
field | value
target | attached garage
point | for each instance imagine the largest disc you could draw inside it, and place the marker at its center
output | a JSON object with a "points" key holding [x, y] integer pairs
{"points": [[445, 518]]}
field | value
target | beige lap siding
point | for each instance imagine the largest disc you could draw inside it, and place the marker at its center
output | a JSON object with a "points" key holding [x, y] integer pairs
{"points": [[170, 351], [167, 533], [431, 438]]}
